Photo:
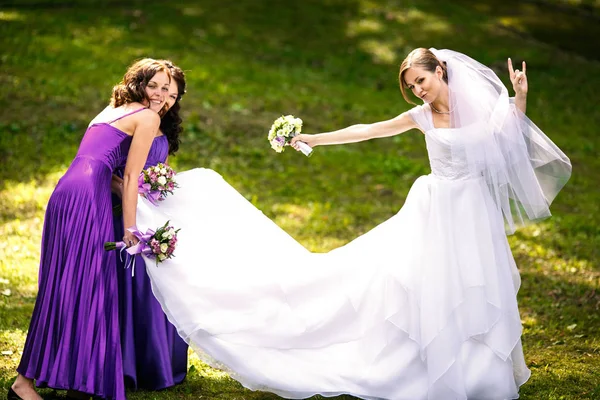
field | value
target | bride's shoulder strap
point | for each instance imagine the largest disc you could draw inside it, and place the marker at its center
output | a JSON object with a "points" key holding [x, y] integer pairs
{"points": [[419, 115]]}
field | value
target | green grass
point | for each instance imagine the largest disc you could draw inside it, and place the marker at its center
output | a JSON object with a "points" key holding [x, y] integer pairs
{"points": [[332, 63]]}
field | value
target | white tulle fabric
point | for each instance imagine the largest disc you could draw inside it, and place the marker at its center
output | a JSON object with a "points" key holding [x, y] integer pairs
{"points": [[523, 169], [423, 306]]}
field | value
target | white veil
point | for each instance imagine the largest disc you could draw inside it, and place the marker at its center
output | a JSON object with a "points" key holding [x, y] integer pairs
{"points": [[522, 167]]}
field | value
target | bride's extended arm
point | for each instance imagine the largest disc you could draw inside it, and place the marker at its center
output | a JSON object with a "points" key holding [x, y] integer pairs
{"points": [[360, 132]]}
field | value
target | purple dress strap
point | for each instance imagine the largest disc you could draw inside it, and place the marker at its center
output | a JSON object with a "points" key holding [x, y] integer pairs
{"points": [[126, 115]]}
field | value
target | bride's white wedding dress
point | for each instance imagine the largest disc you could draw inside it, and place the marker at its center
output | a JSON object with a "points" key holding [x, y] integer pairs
{"points": [[423, 306]]}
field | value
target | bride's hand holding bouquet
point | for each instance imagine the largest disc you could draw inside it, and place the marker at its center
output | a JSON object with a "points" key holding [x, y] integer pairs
{"points": [[310, 140]]}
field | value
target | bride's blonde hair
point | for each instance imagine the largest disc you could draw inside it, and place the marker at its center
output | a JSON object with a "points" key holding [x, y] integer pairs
{"points": [[423, 58]]}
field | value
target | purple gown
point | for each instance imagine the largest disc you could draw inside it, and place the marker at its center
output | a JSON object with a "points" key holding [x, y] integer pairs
{"points": [[154, 356], [74, 339]]}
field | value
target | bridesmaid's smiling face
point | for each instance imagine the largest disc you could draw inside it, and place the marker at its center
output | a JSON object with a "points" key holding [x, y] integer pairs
{"points": [[157, 91], [424, 84], [172, 97]]}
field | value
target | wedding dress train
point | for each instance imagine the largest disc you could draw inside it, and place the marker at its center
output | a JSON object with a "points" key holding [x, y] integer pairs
{"points": [[421, 307]]}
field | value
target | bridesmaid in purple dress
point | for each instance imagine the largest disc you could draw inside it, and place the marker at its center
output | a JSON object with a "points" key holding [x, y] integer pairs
{"points": [[154, 356], [73, 341]]}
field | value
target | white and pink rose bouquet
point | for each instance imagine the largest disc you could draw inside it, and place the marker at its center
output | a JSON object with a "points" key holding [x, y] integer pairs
{"points": [[159, 244], [156, 182]]}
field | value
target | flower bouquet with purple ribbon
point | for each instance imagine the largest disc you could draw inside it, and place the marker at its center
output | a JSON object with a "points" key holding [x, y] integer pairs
{"points": [[283, 130], [156, 182], [159, 244]]}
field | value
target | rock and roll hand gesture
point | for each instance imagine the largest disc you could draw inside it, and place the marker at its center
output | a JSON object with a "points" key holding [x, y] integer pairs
{"points": [[518, 79]]}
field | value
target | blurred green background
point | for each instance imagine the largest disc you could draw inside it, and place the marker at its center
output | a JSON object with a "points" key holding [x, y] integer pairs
{"points": [[333, 63]]}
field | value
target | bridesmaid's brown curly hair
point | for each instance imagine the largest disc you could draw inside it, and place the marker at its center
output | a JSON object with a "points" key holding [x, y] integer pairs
{"points": [[170, 124], [132, 87]]}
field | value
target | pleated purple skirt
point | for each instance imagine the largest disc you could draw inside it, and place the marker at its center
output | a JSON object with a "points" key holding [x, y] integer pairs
{"points": [[74, 339]]}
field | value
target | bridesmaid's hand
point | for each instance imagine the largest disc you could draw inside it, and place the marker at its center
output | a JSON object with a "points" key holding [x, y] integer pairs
{"points": [[130, 239], [116, 186], [518, 79], [308, 139]]}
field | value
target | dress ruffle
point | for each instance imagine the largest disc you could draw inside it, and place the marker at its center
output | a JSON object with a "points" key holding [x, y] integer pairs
{"points": [[421, 307]]}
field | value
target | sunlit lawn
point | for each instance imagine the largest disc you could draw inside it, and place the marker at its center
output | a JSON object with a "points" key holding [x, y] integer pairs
{"points": [[332, 63]]}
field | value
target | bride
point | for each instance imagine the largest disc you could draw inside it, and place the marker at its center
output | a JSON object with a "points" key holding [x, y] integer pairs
{"points": [[421, 307]]}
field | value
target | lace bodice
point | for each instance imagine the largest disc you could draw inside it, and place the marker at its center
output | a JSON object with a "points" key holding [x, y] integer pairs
{"points": [[445, 167], [446, 159]]}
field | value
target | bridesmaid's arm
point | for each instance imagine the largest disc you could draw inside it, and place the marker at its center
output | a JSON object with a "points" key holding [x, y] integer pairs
{"points": [[146, 128]]}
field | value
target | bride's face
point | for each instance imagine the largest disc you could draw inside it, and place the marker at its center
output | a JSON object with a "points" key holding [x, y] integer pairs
{"points": [[424, 84]]}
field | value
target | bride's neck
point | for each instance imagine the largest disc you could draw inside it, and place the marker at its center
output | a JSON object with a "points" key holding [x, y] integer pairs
{"points": [[442, 102]]}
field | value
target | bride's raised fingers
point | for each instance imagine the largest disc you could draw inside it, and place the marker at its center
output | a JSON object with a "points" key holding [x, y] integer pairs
{"points": [[511, 72]]}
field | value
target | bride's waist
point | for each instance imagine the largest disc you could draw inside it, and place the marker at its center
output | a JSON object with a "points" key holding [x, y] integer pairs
{"points": [[449, 169], [456, 176]]}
